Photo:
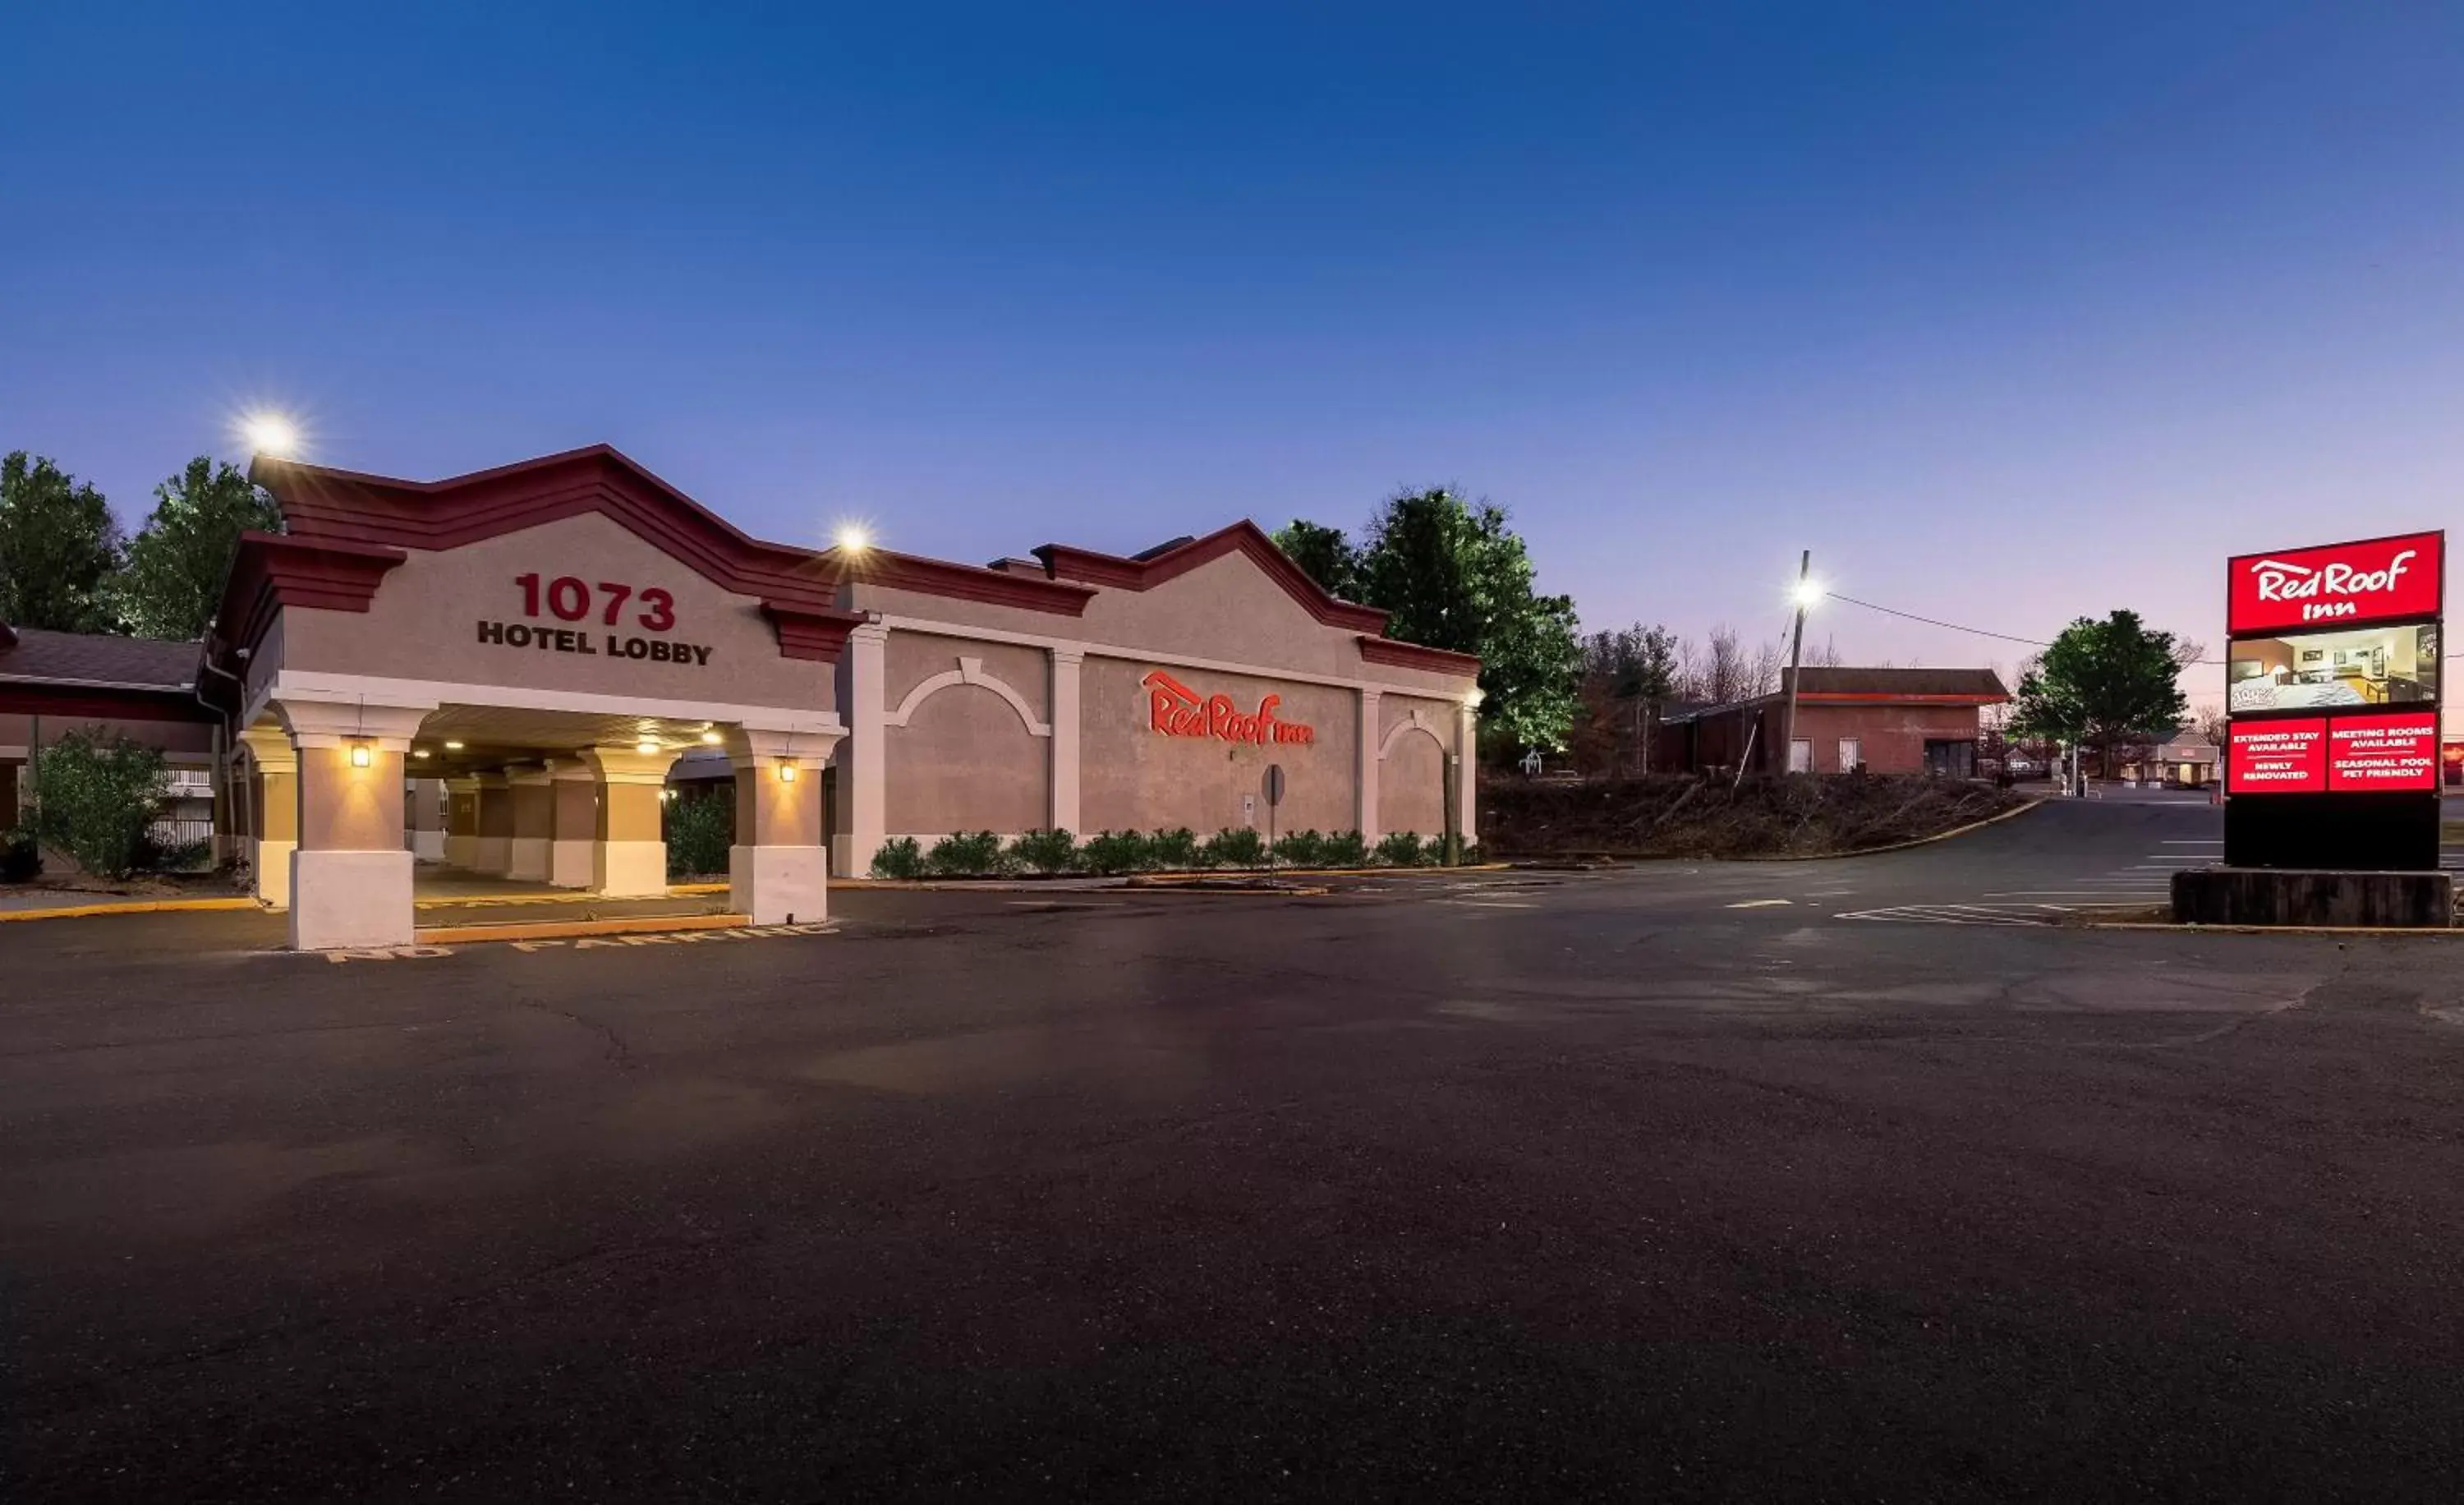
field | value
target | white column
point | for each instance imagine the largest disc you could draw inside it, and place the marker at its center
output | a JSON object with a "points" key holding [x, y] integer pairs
{"points": [[630, 859], [350, 875], [573, 836], [863, 799], [778, 871], [428, 820], [274, 809], [1467, 768], [1365, 781], [533, 794], [1064, 806]]}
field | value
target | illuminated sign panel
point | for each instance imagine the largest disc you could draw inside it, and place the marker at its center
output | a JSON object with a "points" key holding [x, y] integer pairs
{"points": [[2394, 752], [1175, 710], [2333, 687], [2277, 758], [2372, 579]]}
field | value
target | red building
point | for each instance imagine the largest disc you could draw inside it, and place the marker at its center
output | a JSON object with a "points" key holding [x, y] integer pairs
{"points": [[1883, 720]]}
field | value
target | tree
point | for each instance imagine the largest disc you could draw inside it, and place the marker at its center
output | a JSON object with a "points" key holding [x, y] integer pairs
{"points": [[1627, 677], [174, 576], [59, 547], [95, 798], [1453, 575], [2102, 685], [1325, 554]]}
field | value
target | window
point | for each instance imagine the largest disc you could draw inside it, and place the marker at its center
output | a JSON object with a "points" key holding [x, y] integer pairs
{"points": [[1852, 752], [1950, 760], [1800, 756]]}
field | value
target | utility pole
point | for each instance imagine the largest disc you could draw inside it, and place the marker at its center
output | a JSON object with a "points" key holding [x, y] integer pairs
{"points": [[1796, 660]]}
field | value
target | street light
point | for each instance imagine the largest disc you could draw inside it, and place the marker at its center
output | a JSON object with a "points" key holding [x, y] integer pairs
{"points": [[1805, 594], [271, 433]]}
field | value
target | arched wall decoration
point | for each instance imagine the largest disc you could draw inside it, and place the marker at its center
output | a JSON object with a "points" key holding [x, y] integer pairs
{"points": [[1418, 721], [970, 670]]}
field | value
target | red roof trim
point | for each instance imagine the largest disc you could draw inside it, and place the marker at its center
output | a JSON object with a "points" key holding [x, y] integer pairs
{"points": [[810, 634], [93, 703], [1001, 588], [1412, 655], [273, 570], [347, 506], [1243, 538]]}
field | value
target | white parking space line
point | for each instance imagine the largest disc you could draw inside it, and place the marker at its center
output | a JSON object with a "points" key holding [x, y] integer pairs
{"points": [[1760, 904]]}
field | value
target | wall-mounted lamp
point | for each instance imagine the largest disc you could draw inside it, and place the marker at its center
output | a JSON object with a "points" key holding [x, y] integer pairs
{"points": [[647, 745], [711, 738], [786, 773], [359, 755]]}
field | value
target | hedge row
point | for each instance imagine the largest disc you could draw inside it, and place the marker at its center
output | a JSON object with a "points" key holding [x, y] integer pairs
{"points": [[980, 855]]}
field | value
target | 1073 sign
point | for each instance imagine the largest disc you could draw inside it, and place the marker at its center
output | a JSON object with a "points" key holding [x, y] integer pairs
{"points": [[569, 599]]}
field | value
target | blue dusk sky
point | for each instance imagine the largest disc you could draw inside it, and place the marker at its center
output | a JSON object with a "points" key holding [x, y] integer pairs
{"points": [[2009, 311]]}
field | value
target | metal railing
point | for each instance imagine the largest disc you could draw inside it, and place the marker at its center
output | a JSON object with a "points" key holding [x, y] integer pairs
{"points": [[174, 831]]}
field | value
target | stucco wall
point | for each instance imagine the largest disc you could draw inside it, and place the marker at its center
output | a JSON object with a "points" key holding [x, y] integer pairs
{"points": [[1411, 777], [965, 762], [1227, 610], [424, 625], [1133, 777], [910, 658]]}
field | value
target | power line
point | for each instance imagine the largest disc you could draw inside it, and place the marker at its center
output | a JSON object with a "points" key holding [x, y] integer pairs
{"points": [[2007, 638], [2032, 642]]}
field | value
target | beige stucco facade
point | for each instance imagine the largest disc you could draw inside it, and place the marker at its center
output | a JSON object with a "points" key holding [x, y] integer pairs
{"points": [[973, 730], [499, 675]]}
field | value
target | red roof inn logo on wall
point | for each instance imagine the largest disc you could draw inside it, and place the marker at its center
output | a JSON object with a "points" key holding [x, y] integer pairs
{"points": [[1175, 710], [2369, 581]]}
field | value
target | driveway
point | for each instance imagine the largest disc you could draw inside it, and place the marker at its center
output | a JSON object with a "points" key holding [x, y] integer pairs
{"points": [[1624, 1184]]}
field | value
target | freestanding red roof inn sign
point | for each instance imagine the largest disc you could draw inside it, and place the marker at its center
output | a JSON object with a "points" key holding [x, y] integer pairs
{"points": [[2333, 684]]}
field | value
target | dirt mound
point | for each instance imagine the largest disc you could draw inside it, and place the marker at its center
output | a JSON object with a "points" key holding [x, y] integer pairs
{"points": [[1710, 817]]}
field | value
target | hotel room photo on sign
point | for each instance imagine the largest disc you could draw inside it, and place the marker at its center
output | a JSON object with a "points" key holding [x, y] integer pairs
{"points": [[2373, 666]]}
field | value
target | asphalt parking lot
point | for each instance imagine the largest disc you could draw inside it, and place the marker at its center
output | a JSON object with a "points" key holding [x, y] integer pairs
{"points": [[1792, 1179]]}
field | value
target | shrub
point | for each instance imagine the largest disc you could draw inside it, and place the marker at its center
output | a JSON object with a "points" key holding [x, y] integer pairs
{"points": [[700, 829], [1344, 849], [98, 797], [1045, 851], [966, 854], [1300, 848], [21, 859], [179, 856], [1400, 849], [1114, 852], [1174, 851], [1243, 847], [902, 858]]}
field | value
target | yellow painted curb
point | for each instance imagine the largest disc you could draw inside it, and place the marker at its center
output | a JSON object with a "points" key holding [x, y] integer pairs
{"points": [[572, 896], [158, 906], [575, 929]]}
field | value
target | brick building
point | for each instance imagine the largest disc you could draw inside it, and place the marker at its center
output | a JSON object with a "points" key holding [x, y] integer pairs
{"points": [[1884, 720]]}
